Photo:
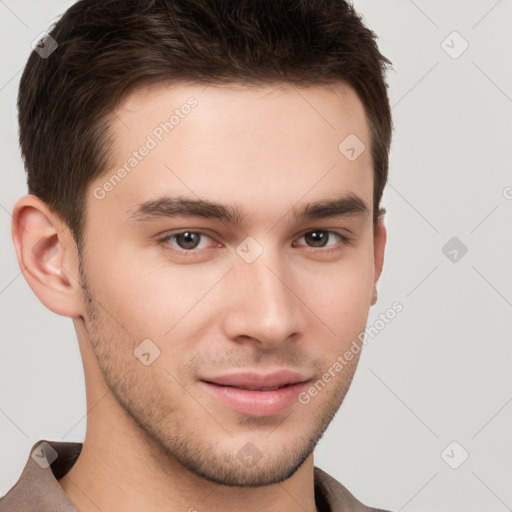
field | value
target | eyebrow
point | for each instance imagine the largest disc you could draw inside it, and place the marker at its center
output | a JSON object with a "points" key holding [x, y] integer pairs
{"points": [[168, 207]]}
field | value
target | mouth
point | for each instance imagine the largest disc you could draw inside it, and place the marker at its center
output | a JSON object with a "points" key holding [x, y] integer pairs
{"points": [[254, 381], [254, 394]]}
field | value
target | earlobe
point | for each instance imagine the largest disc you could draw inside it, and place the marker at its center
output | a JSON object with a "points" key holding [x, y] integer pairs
{"points": [[379, 242], [47, 256], [374, 295]]}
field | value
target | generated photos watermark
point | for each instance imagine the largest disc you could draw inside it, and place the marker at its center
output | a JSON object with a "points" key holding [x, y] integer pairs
{"points": [[152, 140], [342, 360]]}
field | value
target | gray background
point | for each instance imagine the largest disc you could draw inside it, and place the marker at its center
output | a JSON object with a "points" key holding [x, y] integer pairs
{"points": [[440, 371]]}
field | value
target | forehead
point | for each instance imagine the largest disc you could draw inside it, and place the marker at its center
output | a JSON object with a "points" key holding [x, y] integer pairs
{"points": [[256, 146]]}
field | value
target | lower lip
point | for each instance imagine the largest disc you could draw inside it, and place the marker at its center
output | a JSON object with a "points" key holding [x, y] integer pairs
{"points": [[256, 403]]}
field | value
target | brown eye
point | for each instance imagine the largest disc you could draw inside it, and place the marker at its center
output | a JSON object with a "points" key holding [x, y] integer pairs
{"points": [[320, 238], [317, 238], [188, 240], [323, 238]]}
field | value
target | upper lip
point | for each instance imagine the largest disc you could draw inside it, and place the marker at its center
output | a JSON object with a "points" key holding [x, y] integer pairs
{"points": [[257, 381]]}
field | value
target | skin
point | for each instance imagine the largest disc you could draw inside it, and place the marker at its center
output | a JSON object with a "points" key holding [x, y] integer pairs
{"points": [[155, 439]]}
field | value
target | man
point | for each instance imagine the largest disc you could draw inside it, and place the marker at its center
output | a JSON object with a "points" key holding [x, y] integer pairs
{"points": [[204, 198]]}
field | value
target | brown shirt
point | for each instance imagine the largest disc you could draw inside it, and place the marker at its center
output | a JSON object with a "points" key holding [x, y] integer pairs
{"points": [[37, 489]]}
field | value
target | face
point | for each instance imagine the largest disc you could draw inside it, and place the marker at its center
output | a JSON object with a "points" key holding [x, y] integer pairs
{"points": [[235, 254]]}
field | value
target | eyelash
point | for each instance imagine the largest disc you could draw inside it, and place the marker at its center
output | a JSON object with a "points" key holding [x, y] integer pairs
{"points": [[164, 242]]}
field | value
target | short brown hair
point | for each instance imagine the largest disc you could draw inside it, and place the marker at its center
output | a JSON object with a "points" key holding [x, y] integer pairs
{"points": [[107, 47]]}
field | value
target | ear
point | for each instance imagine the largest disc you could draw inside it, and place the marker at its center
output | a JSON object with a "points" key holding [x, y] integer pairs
{"points": [[379, 244], [47, 255]]}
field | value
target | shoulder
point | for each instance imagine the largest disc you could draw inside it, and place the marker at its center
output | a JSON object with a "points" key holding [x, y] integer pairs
{"points": [[37, 488], [336, 496]]}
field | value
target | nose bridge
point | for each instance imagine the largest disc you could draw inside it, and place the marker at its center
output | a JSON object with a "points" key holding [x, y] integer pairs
{"points": [[264, 306]]}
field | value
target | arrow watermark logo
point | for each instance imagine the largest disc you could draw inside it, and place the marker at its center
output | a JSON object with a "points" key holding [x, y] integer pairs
{"points": [[351, 147], [454, 45], [454, 455], [454, 249], [146, 352], [44, 45], [249, 455], [249, 250], [44, 454]]}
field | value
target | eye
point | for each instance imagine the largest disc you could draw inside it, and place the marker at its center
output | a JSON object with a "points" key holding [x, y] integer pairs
{"points": [[186, 241], [319, 238]]}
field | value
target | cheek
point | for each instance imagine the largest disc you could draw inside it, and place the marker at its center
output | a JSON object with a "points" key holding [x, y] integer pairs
{"points": [[148, 298], [341, 295]]}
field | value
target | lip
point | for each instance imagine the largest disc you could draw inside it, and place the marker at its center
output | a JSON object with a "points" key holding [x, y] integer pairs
{"points": [[257, 381], [248, 392]]}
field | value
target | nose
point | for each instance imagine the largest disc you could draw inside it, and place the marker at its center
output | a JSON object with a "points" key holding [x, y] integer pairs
{"points": [[261, 303]]}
